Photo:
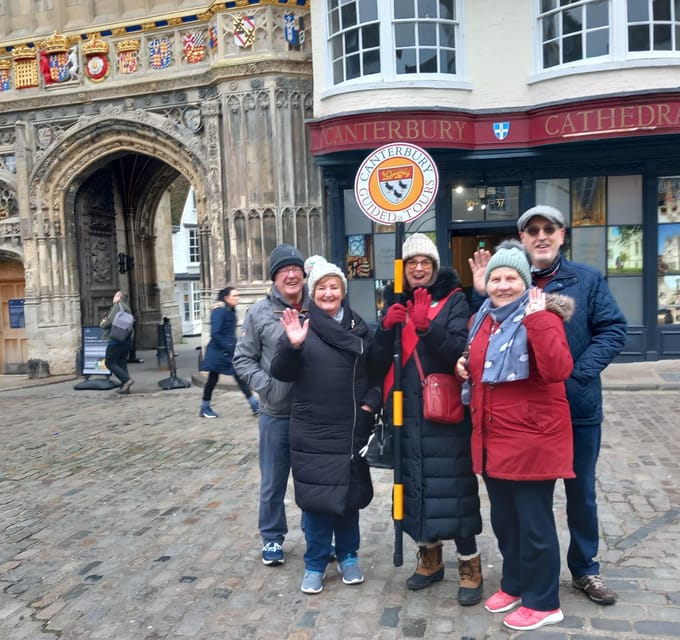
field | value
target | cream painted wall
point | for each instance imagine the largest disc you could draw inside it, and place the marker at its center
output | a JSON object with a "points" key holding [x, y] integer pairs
{"points": [[498, 70]]}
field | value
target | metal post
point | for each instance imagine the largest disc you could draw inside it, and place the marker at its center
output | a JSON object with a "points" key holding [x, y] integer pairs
{"points": [[398, 407]]}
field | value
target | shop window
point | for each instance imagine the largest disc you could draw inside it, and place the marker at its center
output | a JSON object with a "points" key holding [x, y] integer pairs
{"points": [[422, 39], [668, 258], [484, 203]]}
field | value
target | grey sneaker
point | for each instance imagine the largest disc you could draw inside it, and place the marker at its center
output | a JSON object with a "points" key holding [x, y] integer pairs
{"points": [[595, 588], [312, 582], [351, 573]]}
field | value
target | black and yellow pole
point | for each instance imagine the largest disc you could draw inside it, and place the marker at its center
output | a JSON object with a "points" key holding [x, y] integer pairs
{"points": [[398, 407]]}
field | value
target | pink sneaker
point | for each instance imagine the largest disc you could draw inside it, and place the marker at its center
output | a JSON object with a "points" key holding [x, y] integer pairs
{"points": [[501, 601], [525, 619]]}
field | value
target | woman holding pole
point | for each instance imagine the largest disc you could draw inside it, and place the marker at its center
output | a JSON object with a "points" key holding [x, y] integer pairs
{"points": [[441, 499]]}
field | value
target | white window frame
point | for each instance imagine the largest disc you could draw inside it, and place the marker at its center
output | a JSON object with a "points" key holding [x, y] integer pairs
{"points": [[388, 77], [618, 58], [193, 246]]}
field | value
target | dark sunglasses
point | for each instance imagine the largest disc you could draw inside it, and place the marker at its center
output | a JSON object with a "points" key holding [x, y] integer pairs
{"points": [[548, 229]]}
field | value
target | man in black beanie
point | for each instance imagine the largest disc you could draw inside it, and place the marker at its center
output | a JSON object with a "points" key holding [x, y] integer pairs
{"points": [[254, 350]]}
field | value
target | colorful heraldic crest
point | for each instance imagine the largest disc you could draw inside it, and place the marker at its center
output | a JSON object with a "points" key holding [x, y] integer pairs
{"points": [[244, 31], [128, 51], [96, 56], [396, 183], [160, 53], [212, 35], [5, 75], [54, 60], [294, 33], [501, 130], [193, 45], [25, 67]]}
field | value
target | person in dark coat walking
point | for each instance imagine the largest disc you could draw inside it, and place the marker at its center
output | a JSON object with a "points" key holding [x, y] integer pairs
{"points": [[441, 500], [118, 351], [334, 398], [220, 351]]}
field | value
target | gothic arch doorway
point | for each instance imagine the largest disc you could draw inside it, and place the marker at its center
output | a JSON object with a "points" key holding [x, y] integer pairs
{"points": [[13, 343]]}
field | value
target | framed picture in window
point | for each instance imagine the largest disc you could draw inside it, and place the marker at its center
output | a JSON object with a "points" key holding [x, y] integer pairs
{"points": [[668, 200], [588, 201], [359, 256], [669, 249], [624, 250]]}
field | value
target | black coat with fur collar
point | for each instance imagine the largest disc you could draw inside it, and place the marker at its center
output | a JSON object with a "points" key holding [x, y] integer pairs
{"points": [[441, 498]]}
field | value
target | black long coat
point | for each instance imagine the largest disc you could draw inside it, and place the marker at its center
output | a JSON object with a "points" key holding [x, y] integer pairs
{"points": [[441, 498], [220, 350], [327, 426]]}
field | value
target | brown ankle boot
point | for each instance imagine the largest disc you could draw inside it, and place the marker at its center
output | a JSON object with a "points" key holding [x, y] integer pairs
{"points": [[430, 568], [471, 582]]}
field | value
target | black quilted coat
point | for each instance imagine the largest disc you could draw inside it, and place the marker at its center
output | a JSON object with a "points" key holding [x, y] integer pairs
{"points": [[327, 426], [440, 489]]}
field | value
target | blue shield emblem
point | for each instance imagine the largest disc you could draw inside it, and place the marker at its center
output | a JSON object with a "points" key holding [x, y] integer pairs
{"points": [[501, 130]]}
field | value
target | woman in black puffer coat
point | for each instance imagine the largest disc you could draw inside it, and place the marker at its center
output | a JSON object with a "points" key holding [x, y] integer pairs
{"points": [[441, 500], [333, 402]]}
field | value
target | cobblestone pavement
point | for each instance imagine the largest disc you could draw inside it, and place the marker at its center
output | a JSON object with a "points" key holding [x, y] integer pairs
{"points": [[131, 518]]}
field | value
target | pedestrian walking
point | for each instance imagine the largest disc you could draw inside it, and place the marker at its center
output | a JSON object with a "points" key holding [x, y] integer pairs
{"points": [[596, 335], [441, 500], [118, 351], [334, 398], [255, 348], [220, 351], [517, 361]]}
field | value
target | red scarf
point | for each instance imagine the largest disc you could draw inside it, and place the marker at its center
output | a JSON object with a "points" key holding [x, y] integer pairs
{"points": [[409, 341]]}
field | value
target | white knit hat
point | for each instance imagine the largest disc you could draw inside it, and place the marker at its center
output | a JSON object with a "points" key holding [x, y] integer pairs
{"points": [[317, 267], [419, 244]]}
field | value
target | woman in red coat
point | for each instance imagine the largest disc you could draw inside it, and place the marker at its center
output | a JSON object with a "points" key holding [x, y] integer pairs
{"points": [[517, 363]]}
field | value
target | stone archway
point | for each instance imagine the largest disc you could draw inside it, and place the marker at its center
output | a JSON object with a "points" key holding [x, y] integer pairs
{"points": [[60, 188]]}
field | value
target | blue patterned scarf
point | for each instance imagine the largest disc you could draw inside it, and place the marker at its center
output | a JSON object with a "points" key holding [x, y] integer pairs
{"points": [[507, 354]]}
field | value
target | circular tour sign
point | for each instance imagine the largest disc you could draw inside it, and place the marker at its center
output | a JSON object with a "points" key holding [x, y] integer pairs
{"points": [[396, 183]]}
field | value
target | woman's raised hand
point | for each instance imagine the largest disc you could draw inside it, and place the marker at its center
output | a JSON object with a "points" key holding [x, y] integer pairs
{"points": [[295, 331], [536, 301]]}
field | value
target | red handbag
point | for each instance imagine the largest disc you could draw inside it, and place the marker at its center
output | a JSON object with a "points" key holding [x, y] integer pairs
{"points": [[441, 395]]}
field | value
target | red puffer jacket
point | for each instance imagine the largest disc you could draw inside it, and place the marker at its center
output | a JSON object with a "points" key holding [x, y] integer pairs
{"points": [[522, 429]]}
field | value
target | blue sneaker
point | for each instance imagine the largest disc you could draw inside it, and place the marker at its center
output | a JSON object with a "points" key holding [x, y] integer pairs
{"points": [[272, 554], [312, 582], [207, 412], [349, 568]]}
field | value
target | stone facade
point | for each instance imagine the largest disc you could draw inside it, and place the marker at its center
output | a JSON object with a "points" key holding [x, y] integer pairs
{"points": [[89, 154]]}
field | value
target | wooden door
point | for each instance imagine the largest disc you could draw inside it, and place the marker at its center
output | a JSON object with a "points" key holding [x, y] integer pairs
{"points": [[13, 343]]}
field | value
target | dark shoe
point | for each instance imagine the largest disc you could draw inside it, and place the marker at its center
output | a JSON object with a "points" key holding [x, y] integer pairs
{"points": [[471, 583], [595, 588], [124, 388], [430, 568], [207, 412], [272, 554]]}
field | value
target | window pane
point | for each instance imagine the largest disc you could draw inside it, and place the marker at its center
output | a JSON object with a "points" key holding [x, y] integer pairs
{"points": [[370, 36], [662, 37], [352, 41], [338, 75], [427, 34], [447, 35], [349, 15], [597, 14], [550, 27], [447, 61], [447, 9], [638, 38], [404, 9], [368, 10], [551, 55], [571, 21], [334, 21], [371, 62], [547, 5], [637, 10], [404, 35], [336, 47], [572, 49], [597, 43], [661, 9], [352, 67], [427, 9], [406, 61], [428, 61]]}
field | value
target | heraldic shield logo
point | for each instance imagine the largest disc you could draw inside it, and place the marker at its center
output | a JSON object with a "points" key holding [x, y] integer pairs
{"points": [[501, 130], [396, 183]]}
